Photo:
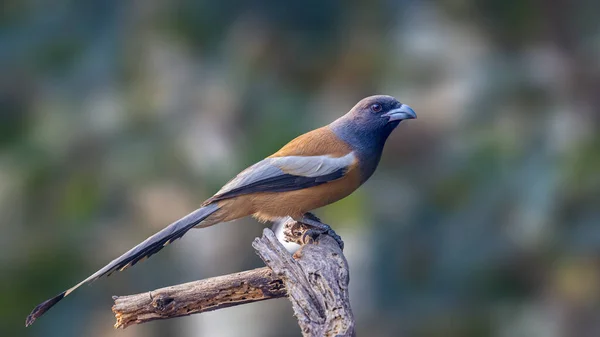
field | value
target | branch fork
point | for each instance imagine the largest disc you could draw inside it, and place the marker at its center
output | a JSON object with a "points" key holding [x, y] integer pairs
{"points": [[315, 279]]}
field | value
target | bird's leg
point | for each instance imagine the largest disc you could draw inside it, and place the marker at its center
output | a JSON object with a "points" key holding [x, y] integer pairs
{"points": [[318, 228]]}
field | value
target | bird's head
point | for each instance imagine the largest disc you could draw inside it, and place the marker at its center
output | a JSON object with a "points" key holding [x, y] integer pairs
{"points": [[380, 112], [367, 126], [374, 117]]}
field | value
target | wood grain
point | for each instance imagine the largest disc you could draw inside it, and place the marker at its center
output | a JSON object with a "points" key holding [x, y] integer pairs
{"points": [[315, 279], [197, 297]]}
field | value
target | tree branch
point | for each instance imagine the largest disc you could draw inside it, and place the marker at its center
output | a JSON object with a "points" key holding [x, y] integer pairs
{"points": [[315, 279], [197, 297]]}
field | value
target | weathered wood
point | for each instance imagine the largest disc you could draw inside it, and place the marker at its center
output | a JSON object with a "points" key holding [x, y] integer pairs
{"points": [[197, 297], [315, 279]]}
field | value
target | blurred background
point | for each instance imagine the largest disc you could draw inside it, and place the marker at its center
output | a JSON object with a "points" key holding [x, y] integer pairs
{"points": [[483, 219]]}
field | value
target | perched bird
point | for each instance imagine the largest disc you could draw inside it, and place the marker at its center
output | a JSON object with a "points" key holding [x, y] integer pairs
{"points": [[313, 170]]}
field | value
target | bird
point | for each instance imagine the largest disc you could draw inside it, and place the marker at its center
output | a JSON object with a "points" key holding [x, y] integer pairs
{"points": [[315, 169]]}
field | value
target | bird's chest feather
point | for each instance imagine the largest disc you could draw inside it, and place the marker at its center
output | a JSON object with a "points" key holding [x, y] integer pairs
{"points": [[365, 144]]}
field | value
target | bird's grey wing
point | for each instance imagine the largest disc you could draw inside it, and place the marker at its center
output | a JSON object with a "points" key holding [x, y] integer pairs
{"points": [[279, 174]]}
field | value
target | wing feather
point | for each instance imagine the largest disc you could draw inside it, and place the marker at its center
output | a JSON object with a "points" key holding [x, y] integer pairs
{"points": [[279, 174]]}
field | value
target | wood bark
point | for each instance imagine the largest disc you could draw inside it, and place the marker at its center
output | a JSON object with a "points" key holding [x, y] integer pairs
{"points": [[197, 297], [315, 279]]}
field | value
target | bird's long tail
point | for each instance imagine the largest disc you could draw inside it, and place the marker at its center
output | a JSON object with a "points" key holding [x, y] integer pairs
{"points": [[143, 250]]}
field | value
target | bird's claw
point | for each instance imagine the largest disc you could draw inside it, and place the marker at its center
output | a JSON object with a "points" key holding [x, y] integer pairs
{"points": [[336, 237], [311, 234]]}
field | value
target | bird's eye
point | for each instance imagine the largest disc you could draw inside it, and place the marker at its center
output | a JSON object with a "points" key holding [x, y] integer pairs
{"points": [[376, 107]]}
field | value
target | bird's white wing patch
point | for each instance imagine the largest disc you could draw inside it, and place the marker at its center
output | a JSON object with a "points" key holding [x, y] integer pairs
{"points": [[313, 166], [303, 166]]}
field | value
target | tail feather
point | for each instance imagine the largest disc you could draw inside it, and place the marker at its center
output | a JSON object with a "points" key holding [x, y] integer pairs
{"points": [[143, 250]]}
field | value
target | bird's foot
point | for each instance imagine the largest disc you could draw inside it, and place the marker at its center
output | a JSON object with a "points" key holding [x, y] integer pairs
{"points": [[313, 217], [319, 228]]}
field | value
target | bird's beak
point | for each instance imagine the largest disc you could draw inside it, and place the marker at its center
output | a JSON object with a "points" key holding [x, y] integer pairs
{"points": [[403, 112]]}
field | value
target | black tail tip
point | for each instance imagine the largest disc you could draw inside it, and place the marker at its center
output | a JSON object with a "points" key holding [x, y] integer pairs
{"points": [[42, 308]]}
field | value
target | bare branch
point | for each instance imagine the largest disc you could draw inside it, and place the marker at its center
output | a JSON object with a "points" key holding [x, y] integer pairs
{"points": [[197, 297], [315, 279]]}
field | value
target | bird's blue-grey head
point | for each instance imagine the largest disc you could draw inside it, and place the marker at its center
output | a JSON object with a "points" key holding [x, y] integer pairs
{"points": [[372, 119], [367, 126]]}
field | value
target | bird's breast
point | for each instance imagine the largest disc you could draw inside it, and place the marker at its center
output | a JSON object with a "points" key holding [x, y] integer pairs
{"points": [[369, 160], [367, 146]]}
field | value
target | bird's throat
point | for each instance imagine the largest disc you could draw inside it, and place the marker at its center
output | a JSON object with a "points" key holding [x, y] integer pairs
{"points": [[367, 145]]}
